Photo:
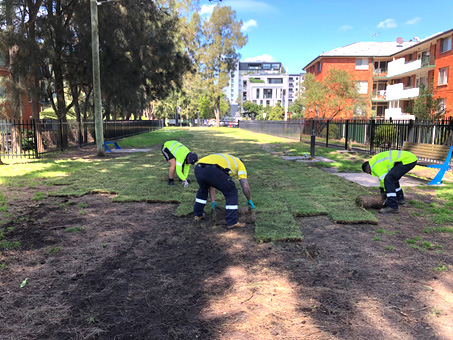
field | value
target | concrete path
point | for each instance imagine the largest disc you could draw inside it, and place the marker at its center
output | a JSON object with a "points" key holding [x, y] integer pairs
{"points": [[367, 180], [129, 150]]}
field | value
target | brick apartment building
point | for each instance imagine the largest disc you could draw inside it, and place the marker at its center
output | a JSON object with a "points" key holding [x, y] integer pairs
{"points": [[389, 74], [26, 111]]}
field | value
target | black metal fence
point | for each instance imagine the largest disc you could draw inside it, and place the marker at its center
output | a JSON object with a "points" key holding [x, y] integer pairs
{"points": [[364, 135], [31, 138]]}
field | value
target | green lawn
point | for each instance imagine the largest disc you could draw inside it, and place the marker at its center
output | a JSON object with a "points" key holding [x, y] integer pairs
{"points": [[281, 190]]}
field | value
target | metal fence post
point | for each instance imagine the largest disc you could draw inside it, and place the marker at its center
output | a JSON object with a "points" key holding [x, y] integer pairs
{"points": [[35, 137], [372, 134], [327, 133], [346, 134]]}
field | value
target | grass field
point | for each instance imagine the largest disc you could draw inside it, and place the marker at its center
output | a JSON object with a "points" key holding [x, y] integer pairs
{"points": [[281, 190]]}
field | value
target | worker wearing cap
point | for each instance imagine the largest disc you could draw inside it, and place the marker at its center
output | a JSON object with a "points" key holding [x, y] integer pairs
{"points": [[216, 171], [180, 158], [389, 167]]}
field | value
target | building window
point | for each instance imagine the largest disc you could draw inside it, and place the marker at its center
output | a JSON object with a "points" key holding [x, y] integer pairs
{"points": [[443, 76], [257, 93], [445, 44], [362, 87], [409, 82], [421, 81], [268, 102], [275, 66], [267, 93], [319, 66], [275, 80], [442, 106], [266, 66], [361, 64]]}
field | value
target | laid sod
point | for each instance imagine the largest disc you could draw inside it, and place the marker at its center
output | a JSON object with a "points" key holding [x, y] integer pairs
{"points": [[281, 190]]}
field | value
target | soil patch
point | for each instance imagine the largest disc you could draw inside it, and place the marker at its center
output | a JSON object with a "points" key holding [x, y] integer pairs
{"points": [[93, 269]]}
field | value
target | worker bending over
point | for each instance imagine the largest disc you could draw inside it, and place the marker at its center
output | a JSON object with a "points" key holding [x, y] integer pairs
{"points": [[180, 158], [215, 172], [389, 167]]}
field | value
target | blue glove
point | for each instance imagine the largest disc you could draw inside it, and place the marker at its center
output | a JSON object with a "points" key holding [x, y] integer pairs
{"points": [[214, 204], [251, 204]]}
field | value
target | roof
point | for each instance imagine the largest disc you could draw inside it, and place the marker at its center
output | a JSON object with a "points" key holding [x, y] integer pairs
{"points": [[369, 49], [366, 49], [375, 49]]}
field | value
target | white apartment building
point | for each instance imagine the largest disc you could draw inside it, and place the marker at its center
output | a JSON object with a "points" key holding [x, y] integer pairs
{"points": [[264, 83]]}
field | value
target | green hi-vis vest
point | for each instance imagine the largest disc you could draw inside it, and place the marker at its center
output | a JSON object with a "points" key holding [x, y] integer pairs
{"points": [[383, 162], [180, 152]]}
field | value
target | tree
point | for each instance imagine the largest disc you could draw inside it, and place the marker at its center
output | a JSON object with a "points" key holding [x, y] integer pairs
{"points": [[221, 36], [252, 109], [427, 105], [335, 96], [274, 112], [297, 108]]}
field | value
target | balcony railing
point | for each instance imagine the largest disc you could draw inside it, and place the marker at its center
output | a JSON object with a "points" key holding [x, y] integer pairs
{"points": [[379, 95], [399, 91], [380, 72], [400, 66]]}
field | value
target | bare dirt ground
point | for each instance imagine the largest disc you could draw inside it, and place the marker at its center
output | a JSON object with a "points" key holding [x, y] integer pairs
{"points": [[135, 271]]}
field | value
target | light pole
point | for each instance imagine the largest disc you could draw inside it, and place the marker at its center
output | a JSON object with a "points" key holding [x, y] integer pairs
{"points": [[99, 131]]}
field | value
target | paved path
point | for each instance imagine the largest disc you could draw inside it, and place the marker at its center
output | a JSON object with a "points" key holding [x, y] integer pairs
{"points": [[367, 180]]}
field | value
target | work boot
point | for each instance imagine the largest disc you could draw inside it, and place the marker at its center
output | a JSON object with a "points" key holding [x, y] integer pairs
{"points": [[171, 181], [237, 225], [199, 218], [401, 201], [389, 210]]}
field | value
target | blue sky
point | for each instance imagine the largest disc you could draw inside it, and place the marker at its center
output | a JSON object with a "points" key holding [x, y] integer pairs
{"points": [[295, 32]]}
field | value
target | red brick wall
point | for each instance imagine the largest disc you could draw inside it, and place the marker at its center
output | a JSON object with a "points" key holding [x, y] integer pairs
{"points": [[26, 105], [444, 59]]}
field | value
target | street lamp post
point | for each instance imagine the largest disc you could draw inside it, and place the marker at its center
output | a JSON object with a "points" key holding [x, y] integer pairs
{"points": [[99, 131]]}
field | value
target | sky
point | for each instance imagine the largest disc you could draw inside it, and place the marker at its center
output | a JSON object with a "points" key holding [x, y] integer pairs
{"points": [[295, 32]]}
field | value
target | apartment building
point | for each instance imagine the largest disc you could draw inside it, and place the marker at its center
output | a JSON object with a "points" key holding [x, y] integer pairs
{"points": [[26, 110], [264, 83], [389, 74]]}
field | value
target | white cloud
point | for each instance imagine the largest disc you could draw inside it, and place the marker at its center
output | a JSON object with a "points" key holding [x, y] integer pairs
{"points": [[389, 23], [206, 9], [248, 24], [345, 28], [264, 57], [413, 21]]}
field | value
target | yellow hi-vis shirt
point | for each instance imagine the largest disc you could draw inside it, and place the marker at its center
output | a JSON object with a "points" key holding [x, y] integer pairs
{"points": [[383, 162], [226, 161], [180, 152]]}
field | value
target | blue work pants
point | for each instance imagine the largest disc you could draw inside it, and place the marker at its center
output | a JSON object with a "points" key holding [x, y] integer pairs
{"points": [[211, 175]]}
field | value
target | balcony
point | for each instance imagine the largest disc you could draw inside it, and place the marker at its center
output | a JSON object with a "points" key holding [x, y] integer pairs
{"points": [[380, 72], [380, 95], [400, 67], [399, 91], [396, 114]]}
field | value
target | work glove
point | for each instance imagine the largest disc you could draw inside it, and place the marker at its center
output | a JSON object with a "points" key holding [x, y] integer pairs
{"points": [[251, 204], [185, 183], [214, 204]]}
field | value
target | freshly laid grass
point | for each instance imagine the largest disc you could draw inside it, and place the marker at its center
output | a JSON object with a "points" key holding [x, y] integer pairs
{"points": [[280, 189]]}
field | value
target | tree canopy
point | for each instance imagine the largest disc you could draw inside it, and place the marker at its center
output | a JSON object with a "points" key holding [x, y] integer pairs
{"points": [[334, 97]]}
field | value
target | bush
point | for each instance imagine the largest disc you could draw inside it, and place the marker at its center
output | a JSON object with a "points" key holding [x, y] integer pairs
{"points": [[334, 131], [384, 136]]}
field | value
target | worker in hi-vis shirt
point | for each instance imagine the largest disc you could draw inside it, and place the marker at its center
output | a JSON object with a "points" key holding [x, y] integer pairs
{"points": [[180, 158], [216, 171], [389, 167]]}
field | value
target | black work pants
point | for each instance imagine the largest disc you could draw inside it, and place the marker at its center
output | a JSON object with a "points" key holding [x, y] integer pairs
{"points": [[392, 183], [210, 175]]}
